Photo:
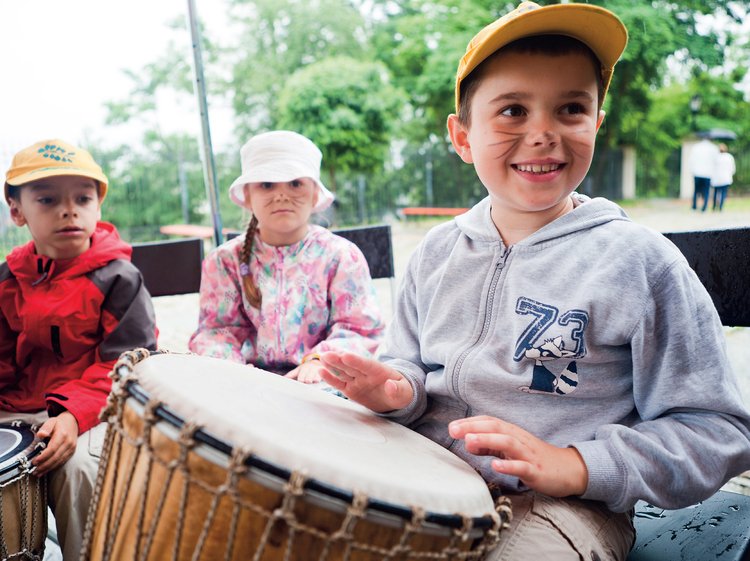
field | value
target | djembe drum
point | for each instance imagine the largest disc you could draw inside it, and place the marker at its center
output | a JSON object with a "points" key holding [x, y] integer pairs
{"points": [[23, 497], [206, 459]]}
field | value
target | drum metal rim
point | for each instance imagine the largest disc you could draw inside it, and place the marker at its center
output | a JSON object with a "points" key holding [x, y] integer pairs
{"points": [[16, 461], [327, 490]]}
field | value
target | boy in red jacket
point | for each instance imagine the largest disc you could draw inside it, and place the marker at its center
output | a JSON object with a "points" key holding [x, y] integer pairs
{"points": [[70, 303]]}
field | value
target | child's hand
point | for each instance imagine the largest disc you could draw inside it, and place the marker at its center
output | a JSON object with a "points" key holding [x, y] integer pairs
{"points": [[557, 472], [62, 432], [366, 381], [307, 373]]}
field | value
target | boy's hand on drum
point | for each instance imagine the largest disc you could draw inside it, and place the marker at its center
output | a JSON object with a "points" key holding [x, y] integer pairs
{"points": [[307, 373], [62, 432], [548, 469], [366, 381]]}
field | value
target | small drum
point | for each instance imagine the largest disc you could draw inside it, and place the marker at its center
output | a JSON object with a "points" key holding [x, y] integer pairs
{"points": [[206, 459], [23, 498]]}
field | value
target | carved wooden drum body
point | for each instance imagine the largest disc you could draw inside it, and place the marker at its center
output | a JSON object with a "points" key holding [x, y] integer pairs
{"points": [[23, 497], [206, 459]]}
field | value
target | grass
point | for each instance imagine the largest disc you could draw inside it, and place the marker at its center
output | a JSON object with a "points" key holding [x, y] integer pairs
{"points": [[737, 203]]}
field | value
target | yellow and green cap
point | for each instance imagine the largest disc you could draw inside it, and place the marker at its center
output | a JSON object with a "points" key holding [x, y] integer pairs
{"points": [[599, 29], [49, 158]]}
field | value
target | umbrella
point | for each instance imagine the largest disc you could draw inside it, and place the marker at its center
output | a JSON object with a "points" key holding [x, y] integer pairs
{"points": [[718, 134]]}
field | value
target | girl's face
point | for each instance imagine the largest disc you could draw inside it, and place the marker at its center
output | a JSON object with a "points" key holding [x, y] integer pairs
{"points": [[282, 209]]}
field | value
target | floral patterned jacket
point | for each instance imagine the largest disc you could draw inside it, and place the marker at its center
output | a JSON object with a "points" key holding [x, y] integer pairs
{"points": [[317, 295]]}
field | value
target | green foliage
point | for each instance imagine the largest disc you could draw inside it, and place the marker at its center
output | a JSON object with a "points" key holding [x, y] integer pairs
{"points": [[421, 45], [158, 183], [347, 108], [372, 84], [280, 37]]}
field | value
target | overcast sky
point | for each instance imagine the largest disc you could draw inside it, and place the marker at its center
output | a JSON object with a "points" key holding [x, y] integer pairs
{"points": [[60, 61]]}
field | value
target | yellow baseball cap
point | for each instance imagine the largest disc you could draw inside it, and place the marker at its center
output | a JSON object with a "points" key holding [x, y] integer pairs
{"points": [[599, 29], [48, 158]]}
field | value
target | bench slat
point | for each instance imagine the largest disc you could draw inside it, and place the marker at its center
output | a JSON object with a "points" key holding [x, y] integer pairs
{"points": [[717, 528], [721, 259], [170, 267]]}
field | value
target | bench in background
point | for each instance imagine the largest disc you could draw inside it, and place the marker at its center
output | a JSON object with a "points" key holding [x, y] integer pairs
{"points": [[432, 211], [174, 266], [170, 267]]}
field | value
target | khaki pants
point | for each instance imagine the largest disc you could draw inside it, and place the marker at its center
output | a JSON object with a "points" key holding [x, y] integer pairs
{"points": [[548, 529], [70, 487]]}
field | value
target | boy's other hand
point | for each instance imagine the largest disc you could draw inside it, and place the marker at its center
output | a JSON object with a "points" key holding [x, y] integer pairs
{"points": [[557, 472], [62, 432], [366, 381]]}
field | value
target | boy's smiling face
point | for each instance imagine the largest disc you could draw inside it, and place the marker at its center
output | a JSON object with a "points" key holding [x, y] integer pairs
{"points": [[531, 138]]}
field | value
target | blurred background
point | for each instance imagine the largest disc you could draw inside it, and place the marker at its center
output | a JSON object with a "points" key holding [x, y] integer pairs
{"points": [[369, 81]]}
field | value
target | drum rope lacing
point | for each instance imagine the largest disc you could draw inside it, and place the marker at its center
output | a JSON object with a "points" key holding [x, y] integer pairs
{"points": [[282, 523], [29, 490]]}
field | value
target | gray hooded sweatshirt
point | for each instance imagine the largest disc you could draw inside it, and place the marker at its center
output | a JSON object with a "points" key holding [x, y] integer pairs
{"points": [[593, 332]]}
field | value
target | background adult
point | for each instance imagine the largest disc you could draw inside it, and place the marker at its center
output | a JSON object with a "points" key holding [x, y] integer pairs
{"points": [[703, 165], [723, 176]]}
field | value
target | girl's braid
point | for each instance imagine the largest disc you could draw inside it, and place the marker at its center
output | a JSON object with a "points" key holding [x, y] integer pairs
{"points": [[252, 292]]}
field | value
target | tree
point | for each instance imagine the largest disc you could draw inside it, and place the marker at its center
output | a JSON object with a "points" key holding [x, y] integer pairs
{"points": [[400, 56], [278, 38], [152, 186], [421, 42], [347, 108]]}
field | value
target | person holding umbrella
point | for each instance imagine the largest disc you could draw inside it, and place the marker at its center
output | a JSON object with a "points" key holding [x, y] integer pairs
{"points": [[703, 165]]}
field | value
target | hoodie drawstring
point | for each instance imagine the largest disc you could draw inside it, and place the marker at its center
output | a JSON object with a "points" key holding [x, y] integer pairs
{"points": [[43, 269]]}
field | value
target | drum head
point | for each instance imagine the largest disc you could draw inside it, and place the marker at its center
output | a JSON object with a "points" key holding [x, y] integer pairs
{"points": [[301, 428], [16, 441]]}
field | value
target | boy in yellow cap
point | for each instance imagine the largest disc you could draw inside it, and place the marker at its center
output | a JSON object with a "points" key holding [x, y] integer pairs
{"points": [[70, 303], [568, 354]]}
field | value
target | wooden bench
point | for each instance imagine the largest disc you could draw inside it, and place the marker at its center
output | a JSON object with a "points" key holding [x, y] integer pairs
{"points": [[432, 211], [719, 527]]}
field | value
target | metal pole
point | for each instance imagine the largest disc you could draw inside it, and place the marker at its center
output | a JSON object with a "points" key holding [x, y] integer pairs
{"points": [[428, 175], [209, 171]]}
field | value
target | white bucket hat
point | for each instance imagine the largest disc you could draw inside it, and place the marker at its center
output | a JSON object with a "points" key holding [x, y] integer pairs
{"points": [[279, 156]]}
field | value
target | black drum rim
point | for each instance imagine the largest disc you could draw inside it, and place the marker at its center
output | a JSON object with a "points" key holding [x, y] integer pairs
{"points": [[164, 413]]}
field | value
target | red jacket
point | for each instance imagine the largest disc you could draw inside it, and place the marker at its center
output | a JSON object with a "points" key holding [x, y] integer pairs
{"points": [[63, 324]]}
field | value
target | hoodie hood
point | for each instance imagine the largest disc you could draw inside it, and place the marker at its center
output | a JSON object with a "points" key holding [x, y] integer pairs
{"points": [[477, 223], [106, 246]]}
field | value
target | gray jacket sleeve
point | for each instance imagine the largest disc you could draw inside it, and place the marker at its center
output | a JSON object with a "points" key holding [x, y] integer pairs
{"points": [[694, 430]]}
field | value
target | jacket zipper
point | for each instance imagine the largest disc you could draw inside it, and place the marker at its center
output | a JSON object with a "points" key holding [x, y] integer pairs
{"points": [[55, 340], [43, 270], [487, 318]]}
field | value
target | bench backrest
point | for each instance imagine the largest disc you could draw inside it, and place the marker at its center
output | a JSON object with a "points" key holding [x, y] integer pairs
{"points": [[170, 267], [721, 259], [174, 266], [376, 244]]}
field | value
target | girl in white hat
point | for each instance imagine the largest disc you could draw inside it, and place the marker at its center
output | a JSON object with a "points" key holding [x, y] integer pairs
{"points": [[286, 290]]}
